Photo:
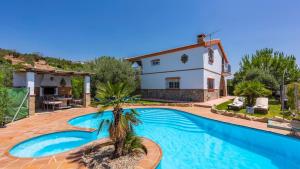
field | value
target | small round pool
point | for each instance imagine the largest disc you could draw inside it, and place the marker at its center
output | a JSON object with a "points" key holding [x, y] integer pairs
{"points": [[50, 144]]}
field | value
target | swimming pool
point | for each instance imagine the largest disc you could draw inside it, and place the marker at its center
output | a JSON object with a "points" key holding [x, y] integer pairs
{"points": [[190, 141], [52, 143]]}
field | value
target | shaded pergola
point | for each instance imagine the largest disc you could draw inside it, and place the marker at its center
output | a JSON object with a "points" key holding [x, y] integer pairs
{"points": [[42, 79]]}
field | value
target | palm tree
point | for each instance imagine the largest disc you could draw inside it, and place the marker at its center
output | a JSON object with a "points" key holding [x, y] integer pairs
{"points": [[251, 90], [121, 126]]}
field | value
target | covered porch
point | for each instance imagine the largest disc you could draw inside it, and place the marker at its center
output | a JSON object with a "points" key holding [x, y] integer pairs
{"points": [[52, 89]]}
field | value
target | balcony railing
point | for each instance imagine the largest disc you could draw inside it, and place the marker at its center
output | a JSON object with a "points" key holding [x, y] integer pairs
{"points": [[226, 69]]}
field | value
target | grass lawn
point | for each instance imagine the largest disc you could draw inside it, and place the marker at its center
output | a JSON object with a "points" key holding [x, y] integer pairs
{"points": [[273, 111]]}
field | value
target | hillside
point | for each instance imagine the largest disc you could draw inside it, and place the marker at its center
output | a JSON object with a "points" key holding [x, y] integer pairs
{"points": [[32, 58]]}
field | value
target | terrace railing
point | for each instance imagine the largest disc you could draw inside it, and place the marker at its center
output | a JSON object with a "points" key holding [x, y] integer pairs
{"points": [[226, 69]]}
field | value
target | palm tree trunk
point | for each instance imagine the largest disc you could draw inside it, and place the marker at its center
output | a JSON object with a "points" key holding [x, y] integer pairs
{"points": [[119, 142]]}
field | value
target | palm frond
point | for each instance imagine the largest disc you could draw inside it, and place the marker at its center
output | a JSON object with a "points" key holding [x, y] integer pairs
{"points": [[103, 123], [121, 127], [134, 143], [102, 108]]}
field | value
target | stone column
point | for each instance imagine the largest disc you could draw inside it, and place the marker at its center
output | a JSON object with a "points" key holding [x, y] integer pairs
{"points": [[87, 92], [225, 87], [30, 85]]}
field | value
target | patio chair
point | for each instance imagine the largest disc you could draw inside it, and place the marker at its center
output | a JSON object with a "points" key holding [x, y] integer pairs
{"points": [[261, 105], [45, 100], [237, 104]]}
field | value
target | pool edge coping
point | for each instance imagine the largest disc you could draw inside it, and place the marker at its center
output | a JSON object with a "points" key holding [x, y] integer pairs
{"points": [[143, 163], [91, 130], [150, 161]]}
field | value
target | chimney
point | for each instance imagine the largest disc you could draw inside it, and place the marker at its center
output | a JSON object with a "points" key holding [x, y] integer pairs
{"points": [[201, 38]]}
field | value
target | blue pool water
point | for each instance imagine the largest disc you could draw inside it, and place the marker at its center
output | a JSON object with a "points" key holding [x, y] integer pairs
{"points": [[187, 141], [52, 143]]}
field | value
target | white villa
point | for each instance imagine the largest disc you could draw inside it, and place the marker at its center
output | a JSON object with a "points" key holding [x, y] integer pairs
{"points": [[191, 73]]}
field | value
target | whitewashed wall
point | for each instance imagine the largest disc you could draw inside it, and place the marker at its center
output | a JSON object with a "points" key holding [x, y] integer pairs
{"points": [[44, 80], [192, 79], [172, 61], [216, 67], [217, 78], [19, 80]]}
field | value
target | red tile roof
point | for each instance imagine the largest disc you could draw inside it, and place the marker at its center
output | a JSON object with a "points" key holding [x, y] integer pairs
{"points": [[206, 44]]}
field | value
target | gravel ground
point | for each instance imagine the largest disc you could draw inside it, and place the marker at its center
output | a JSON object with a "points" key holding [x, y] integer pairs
{"points": [[100, 159]]}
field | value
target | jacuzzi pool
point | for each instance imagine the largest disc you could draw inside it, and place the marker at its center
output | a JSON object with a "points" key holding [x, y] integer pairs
{"points": [[187, 141], [52, 143]]}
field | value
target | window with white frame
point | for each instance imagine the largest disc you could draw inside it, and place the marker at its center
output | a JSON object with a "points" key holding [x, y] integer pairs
{"points": [[155, 62], [173, 83]]}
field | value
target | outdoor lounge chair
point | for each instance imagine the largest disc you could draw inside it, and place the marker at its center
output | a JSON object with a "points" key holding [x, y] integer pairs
{"points": [[238, 103], [261, 105]]}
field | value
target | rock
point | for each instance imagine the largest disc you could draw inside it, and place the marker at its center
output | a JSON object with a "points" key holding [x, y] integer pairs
{"points": [[213, 110], [280, 119], [100, 159], [230, 114], [239, 115], [262, 119]]}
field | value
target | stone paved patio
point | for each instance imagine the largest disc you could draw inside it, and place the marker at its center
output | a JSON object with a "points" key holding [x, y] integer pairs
{"points": [[210, 103], [57, 121]]}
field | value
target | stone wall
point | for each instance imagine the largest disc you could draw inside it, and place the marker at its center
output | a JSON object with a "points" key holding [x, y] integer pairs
{"points": [[239, 115], [211, 95], [174, 94], [86, 99], [196, 95], [31, 105]]}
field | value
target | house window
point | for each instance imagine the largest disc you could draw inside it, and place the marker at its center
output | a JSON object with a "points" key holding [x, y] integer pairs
{"points": [[155, 62], [184, 58], [210, 56], [210, 84], [173, 83]]}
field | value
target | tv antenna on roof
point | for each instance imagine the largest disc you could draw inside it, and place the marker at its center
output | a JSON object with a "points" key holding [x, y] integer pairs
{"points": [[210, 35]]}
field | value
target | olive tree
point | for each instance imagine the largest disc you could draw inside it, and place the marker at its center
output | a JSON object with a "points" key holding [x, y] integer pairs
{"points": [[109, 69]]}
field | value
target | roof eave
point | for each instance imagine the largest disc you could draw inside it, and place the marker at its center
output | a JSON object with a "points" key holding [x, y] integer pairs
{"points": [[206, 44], [56, 72]]}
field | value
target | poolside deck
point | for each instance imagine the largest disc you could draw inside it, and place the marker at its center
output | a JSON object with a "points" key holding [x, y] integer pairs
{"points": [[210, 103], [57, 121], [207, 104]]}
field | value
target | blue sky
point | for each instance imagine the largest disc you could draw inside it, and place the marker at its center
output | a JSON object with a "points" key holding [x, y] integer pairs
{"points": [[82, 30]]}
